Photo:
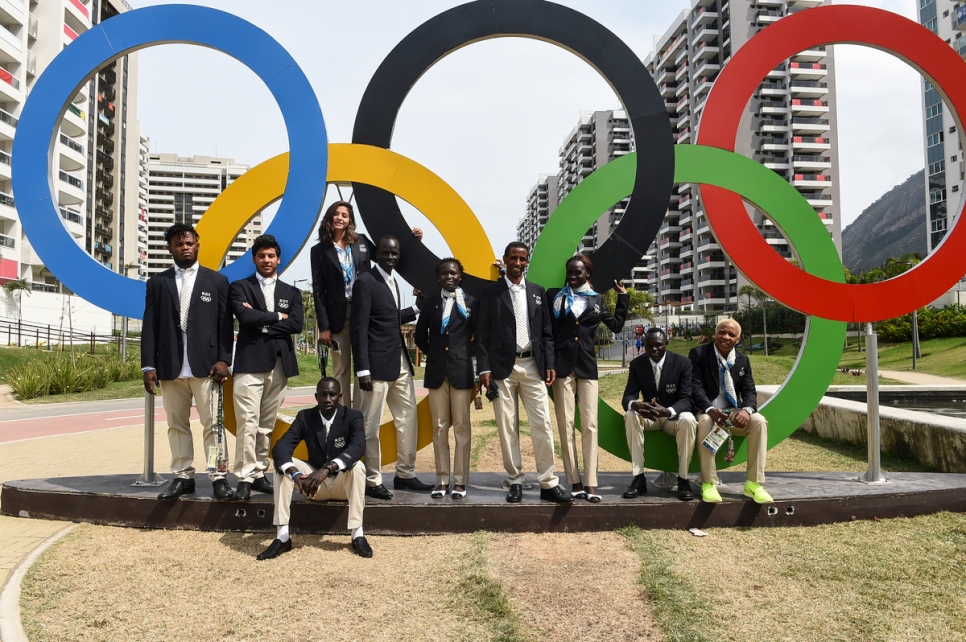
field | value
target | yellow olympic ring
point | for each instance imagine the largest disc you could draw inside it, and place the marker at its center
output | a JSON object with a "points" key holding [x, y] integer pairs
{"points": [[432, 196]]}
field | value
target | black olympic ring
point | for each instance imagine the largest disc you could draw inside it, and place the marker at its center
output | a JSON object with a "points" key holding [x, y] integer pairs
{"points": [[564, 27]]}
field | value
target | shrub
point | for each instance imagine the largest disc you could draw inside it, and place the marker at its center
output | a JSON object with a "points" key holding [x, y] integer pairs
{"points": [[28, 380]]}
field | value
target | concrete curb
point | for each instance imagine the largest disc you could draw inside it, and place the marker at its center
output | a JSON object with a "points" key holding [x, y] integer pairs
{"points": [[11, 628]]}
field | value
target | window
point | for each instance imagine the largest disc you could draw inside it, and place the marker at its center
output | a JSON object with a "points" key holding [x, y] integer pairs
{"points": [[934, 139]]}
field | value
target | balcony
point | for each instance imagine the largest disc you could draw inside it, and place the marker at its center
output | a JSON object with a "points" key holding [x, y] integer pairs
{"points": [[772, 89], [813, 143], [11, 46], [773, 125], [702, 87], [708, 69], [768, 16], [772, 144], [70, 33], [32, 25], [810, 55], [9, 87], [703, 16], [74, 123], [681, 72], [706, 32], [807, 70], [808, 106], [684, 136], [810, 125], [79, 7], [811, 162], [819, 181]]}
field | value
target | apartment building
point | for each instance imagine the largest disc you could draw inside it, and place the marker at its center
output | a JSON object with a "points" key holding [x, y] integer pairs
{"points": [[541, 202], [789, 125], [90, 163], [943, 148], [598, 138], [179, 190]]}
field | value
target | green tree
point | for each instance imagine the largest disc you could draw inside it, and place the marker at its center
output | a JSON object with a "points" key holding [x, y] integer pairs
{"points": [[638, 307], [18, 286]]}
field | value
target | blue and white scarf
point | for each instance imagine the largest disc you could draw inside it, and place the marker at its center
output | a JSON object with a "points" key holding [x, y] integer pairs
{"points": [[565, 298], [727, 383], [449, 298], [345, 260]]}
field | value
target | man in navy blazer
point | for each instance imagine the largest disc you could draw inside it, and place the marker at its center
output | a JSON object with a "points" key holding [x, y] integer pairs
{"points": [[269, 312], [663, 380], [335, 439], [515, 357], [384, 369], [734, 406], [186, 343]]}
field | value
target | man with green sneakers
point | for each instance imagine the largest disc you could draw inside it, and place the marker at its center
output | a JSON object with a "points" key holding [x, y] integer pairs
{"points": [[724, 395]]}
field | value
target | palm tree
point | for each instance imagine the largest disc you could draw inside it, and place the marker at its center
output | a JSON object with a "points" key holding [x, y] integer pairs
{"points": [[18, 286]]}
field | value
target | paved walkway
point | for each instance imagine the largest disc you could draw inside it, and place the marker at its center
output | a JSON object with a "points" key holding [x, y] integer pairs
{"points": [[921, 378]]}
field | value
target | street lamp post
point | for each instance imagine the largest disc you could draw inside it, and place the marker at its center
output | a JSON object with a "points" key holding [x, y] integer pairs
{"points": [[764, 325], [915, 339]]}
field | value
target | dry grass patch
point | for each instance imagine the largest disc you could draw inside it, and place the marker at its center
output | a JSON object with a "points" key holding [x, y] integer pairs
{"points": [[103, 583], [573, 586], [896, 579]]}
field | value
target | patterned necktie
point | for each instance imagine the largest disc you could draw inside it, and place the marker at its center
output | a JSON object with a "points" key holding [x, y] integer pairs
{"points": [[520, 314], [657, 377], [451, 299], [392, 288], [268, 291], [727, 383], [187, 285]]}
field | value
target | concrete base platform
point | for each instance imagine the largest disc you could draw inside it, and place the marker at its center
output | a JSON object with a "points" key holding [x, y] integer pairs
{"points": [[801, 499]]}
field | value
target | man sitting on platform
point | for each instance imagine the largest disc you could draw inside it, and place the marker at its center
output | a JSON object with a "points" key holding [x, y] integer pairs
{"points": [[663, 379], [335, 438], [724, 392]]}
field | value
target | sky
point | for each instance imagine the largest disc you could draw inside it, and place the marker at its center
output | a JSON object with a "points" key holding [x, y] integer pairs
{"points": [[489, 118]]}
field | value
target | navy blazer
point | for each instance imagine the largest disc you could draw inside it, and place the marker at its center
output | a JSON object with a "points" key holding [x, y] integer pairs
{"points": [[328, 283], [375, 327], [707, 378], [497, 330], [210, 334], [573, 338], [449, 355], [675, 388], [256, 350], [346, 439]]}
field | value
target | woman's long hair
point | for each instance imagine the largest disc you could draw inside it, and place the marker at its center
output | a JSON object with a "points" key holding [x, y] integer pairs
{"points": [[327, 232]]}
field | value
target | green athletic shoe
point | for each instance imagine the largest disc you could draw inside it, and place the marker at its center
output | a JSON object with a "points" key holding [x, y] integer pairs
{"points": [[710, 494], [757, 493]]}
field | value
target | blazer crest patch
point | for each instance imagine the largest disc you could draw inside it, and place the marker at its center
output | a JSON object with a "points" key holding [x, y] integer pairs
{"points": [[537, 299], [206, 297], [671, 388], [741, 372], [339, 442], [283, 303], [596, 309], [363, 249]]}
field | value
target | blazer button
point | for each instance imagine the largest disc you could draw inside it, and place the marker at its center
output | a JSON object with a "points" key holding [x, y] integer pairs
{"points": [[576, 339], [446, 348]]}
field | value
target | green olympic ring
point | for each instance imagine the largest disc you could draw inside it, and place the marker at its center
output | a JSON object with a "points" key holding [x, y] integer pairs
{"points": [[822, 344]]}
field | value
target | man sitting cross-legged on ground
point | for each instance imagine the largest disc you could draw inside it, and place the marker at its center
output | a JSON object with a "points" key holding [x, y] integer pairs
{"points": [[723, 385], [664, 380], [336, 439]]}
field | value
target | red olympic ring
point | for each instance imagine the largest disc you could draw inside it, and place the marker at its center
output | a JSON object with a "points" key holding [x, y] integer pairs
{"points": [[736, 232]]}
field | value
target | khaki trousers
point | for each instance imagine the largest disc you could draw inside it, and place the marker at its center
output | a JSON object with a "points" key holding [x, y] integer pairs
{"points": [[525, 382], [176, 397], [682, 428], [348, 485], [401, 397], [565, 391], [342, 365], [257, 397], [451, 406], [757, 433]]}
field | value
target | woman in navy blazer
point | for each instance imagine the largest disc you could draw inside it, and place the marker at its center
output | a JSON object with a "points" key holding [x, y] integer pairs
{"points": [[340, 256], [575, 312]]}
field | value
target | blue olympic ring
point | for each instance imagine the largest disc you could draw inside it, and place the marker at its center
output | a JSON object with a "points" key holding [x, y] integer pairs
{"points": [[123, 34]]}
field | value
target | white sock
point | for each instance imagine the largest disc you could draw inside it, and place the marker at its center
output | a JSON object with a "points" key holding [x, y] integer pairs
{"points": [[282, 534], [357, 532]]}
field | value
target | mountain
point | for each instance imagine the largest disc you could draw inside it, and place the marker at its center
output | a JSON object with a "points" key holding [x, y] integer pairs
{"points": [[892, 226]]}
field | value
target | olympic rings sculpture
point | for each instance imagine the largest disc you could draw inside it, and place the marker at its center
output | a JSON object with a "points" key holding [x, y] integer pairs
{"points": [[379, 175]]}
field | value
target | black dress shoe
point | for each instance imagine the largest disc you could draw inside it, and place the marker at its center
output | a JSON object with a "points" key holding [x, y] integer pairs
{"points": [[243, 492], [410, 483], [361, 547], [684, 490], [220, 489], [515, 494], [180, 486], [556, 494], [276, 548], [379, 492], [638, 487], [262, 485]]}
